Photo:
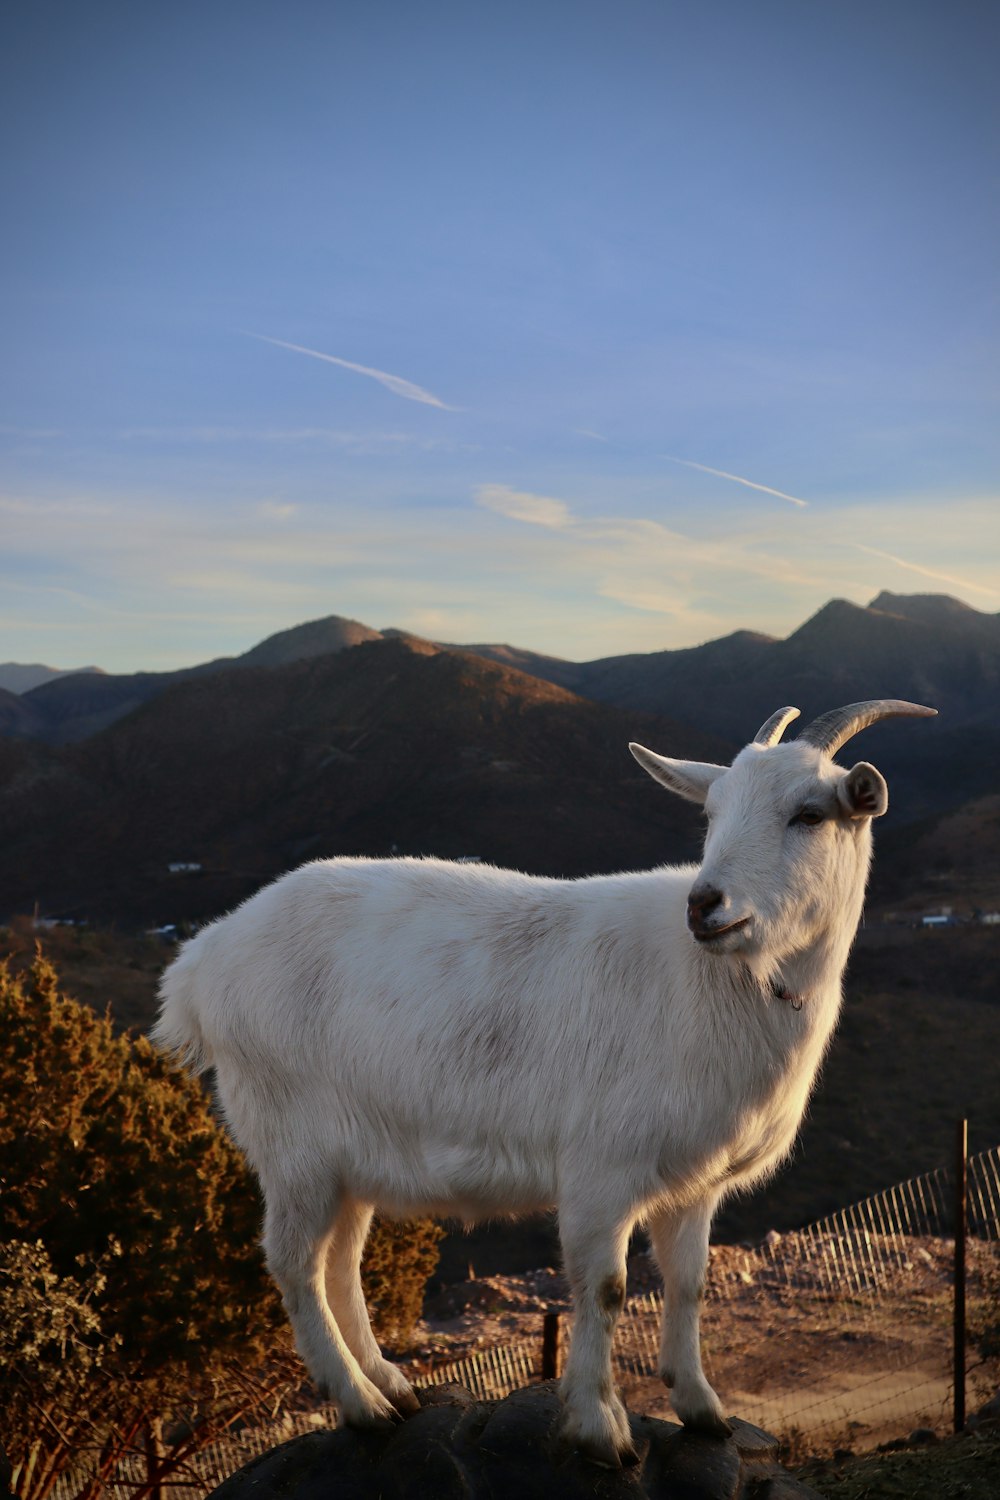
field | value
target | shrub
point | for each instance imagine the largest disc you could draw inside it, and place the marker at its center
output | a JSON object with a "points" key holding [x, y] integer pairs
{"points": [[101, 1140], [399, 1258], [130, 1271]]}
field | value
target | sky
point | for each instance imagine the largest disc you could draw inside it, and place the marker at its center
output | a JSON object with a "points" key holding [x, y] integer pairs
{"points": [[588, 325]]}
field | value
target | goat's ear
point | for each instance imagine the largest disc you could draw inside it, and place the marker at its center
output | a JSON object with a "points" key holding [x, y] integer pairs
{"points": [[688, 778], [862, 793]]}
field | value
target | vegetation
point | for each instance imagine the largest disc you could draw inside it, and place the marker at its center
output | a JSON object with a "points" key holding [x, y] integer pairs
{"points": [[130, 1278], [961, 1468], [104, 1141]]}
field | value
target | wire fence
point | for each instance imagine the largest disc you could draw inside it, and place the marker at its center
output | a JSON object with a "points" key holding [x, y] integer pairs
{"points": [[886, 1258]]}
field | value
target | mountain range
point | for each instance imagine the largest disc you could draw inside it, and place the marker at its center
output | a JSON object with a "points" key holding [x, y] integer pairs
{"points": [[336, 737]]}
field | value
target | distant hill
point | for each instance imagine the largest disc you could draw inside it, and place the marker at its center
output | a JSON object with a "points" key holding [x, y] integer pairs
{"points": [[73, 707], [924, 647], [392, 745], [19, 719], [952, 858], [929, 648], [302, 642], [21, 677]]}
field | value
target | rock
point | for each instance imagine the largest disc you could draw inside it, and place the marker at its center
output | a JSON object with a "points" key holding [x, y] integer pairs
{"points": [[920, 1436], [989, 1412], [457, 1448]]}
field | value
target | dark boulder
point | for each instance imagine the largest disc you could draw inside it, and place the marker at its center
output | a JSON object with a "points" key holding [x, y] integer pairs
{"points": [[457, 1448]]}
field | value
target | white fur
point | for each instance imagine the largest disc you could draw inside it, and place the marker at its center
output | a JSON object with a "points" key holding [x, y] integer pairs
{"points": [[427, 1037]]}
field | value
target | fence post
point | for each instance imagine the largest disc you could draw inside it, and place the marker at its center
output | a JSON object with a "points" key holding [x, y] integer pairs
{"points": [[550, 1346], [961, 1175]]}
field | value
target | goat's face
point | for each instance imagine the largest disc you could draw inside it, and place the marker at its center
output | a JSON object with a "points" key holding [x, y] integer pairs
{"points": [[788, 840], [786, 848]]}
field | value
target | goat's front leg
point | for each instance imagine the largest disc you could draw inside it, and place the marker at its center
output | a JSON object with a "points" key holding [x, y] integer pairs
{"points": [[594, 1418], [298, 1224], [347, 1302], [680, 1244]]}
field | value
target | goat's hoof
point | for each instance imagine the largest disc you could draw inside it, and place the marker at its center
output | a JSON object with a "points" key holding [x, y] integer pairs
{"points": [[604, 1450], [628, 1457], [603, 1455], [376, 1415], [405, 1402]]}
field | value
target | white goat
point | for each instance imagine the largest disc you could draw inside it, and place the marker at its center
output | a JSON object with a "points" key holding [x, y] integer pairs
{"points": [[424, 1037]]}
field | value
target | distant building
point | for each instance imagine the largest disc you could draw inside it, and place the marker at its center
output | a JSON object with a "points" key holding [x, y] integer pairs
{"points": [[184, 867]]}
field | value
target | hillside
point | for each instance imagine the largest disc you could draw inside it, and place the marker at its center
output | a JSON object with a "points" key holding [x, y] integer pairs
{"points": [[21, 677], [67, 708], [921, 646], [392, 745], [927, 648]]}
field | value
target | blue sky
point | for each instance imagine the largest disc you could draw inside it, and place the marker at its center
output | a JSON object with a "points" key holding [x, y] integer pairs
{"points": [[639, 322]]}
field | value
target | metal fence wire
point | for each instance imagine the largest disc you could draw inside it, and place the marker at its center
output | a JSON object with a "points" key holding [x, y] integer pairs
{"points": [[872, 1254], [866, 1256]]}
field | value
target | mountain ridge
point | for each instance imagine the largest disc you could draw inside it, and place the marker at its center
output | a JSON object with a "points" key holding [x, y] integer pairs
{"points": [[393, 746], [916, 646], [79, 736], [20, 677]]}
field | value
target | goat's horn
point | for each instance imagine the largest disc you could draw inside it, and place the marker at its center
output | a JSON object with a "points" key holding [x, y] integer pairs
{"points": [[771, 732], [834, 729]]}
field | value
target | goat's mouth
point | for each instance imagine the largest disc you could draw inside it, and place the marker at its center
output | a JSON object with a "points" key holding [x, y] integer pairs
{"points": [[704, 934]]}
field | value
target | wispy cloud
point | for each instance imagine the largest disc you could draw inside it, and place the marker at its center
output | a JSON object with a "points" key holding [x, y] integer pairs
{"points": [[394, 383], [642, 563], [520, 505], [751, 484], [375, 441], [277, 510], [960, 583]]}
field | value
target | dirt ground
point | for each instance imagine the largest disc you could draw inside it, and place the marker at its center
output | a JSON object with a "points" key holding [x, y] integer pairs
{"points": [[824, 1368]]}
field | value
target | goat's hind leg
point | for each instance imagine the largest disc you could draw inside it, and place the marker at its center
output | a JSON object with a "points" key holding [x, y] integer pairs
{"points": [[298, 1225], [346, 1298], [680, 1244]]}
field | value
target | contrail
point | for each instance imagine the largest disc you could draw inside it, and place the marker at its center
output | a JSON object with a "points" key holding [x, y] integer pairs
{"points": [[750, 484], [962, 583], [394, 383]]}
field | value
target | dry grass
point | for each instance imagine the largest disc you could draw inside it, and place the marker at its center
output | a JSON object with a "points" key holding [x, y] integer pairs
{"points": [[966, 1467]]}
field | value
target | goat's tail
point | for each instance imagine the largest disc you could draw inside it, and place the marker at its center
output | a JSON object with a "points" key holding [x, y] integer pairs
{"points": [[178, 1029]]}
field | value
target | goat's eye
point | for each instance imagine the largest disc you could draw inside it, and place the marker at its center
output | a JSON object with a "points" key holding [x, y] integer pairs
{"points": [[807, 817]]}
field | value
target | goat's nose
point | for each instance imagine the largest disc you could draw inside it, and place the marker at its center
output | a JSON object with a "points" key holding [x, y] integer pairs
{"points": [[701, 902]]}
